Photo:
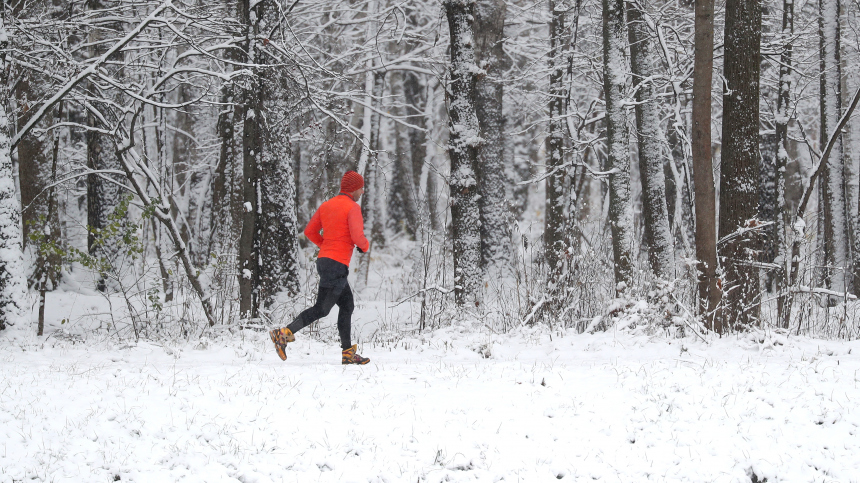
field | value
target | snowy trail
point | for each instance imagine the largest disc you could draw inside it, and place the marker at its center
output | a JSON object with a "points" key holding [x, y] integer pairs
{"points": [[578, 408]]}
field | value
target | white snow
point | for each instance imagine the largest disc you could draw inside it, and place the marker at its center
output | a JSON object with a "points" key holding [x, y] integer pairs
{"points": [[457, 404]]}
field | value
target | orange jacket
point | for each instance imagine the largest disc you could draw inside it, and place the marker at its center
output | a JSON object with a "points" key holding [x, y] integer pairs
{"points": [[343, 228]]}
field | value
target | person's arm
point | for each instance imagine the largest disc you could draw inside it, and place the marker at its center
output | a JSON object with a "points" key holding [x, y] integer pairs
{"points": [[356, 229], [312, 231]]}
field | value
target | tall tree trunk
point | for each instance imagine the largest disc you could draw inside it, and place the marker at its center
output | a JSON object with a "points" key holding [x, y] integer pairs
{"points": [[33, 164], [644, 63], [832, 186], [617, 141], [221, 221], [250, 113], [493, 177], [49, 263], [554, 242], [369, 203], [103, 191], [183, 151], [463, 143], [279, 230], [402, 210], [703, 171], [739, 173], [415, 94], [13, 289], [783, 113]]}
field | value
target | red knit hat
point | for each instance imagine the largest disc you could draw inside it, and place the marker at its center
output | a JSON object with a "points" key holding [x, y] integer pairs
{"points": [[351, 182]]}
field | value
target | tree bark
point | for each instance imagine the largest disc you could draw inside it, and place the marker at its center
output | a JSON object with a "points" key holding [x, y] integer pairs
{"points": [[463, 151], [783, 113], [832, 186], [617, 141], [402, 192], [13, 289], [250, 113], [554, 241], [644, 62], [703, 171], [493, 179], [739, 173], [369, 203]]}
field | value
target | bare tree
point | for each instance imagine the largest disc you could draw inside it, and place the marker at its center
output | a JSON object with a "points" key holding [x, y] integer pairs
{"points": [[644, 62], [617, 142], [462, 150], [703, 171], [832, 186], [739, 171], [13, 289], [490, 57], [554, 221]]}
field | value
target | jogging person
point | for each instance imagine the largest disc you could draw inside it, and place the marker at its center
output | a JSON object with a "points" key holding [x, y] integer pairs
{"points": [[342, 229]]}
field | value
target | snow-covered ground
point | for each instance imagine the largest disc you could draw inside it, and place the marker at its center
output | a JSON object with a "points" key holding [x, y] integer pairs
{"points": [[457, 404]]}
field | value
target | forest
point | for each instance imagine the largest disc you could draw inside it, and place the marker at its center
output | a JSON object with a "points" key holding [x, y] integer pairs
{"points": [[609, 240], [677, 167]]}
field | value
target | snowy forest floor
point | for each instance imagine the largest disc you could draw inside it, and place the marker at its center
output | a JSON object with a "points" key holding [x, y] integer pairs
{"points": [[456, 404]]}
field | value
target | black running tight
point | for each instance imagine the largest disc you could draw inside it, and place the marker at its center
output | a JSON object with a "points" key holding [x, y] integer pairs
{"points": [[328, 297]]}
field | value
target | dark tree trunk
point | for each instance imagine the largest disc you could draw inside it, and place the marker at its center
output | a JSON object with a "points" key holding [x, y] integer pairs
{"points": [[463, 152], [402, 192], [644, 63], [279, 230], [703, 174], [33, 164], [369, 202], [617, 142], [783, 112], [554, 242], [739, 172], [832, 186], [250, 113], [493, 180]]}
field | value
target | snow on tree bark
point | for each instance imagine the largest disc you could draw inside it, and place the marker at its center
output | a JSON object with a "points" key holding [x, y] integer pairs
{"points": [[33, 164], [249, 276], [493, 177], [832, 185], [463, 144], [739, 174], [617, 140], [644, 62], [103, 189], [832, 188], [279, 230], [13, 289], [554, 241], [783, 114]]}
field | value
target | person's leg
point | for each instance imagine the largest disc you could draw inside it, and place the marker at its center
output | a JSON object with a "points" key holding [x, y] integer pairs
{"points": [[326, 299], [345, 306], [344, 327]]}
